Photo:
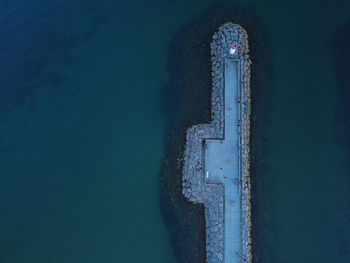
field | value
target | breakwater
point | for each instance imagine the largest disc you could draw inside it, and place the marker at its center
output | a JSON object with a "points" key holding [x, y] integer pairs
{"points": [[195, 186]]}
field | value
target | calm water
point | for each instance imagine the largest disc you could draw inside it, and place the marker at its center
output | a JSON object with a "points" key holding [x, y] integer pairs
{"points": [[82, 130]]}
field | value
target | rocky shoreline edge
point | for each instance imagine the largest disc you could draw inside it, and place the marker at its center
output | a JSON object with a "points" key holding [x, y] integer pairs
{"points": [[195, 188]]}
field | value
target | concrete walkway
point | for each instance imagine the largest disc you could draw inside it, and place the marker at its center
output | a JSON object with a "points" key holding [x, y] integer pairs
{"points": [[222, 164]]}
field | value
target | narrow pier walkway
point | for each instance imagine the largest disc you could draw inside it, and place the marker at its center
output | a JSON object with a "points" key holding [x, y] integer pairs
{"points": [[222, 164]]}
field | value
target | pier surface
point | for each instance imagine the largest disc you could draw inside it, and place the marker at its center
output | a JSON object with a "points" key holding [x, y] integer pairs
{"points": [[222, 164]]}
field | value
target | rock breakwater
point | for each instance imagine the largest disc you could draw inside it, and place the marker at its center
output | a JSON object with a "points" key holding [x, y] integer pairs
{"points": [[195, 187]]}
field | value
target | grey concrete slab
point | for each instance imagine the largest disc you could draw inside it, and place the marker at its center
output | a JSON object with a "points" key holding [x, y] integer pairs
{"points": [[222, 163]]}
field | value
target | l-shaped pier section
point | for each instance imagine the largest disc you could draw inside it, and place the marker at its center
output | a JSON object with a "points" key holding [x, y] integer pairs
{"points": [[216, 163]]}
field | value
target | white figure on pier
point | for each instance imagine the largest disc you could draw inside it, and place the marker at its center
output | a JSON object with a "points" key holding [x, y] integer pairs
{"points": [[233, 48]]}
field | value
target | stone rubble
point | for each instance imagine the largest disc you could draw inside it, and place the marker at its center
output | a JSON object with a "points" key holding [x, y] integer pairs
{"points": [[194, 185]]}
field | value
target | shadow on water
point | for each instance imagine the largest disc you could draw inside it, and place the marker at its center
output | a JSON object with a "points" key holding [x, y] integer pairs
{"points": [[341, 53], [186, 101], [339, 42]]}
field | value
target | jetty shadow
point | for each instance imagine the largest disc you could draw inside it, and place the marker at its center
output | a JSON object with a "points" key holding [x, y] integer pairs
{"points": [[339, 41], [186, 100]]}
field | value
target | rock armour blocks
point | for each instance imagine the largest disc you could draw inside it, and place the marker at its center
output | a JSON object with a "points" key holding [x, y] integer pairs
{"points": [[195, 188]]}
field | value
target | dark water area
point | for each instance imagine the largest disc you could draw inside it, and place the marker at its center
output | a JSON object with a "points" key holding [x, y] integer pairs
{"points": [[341, 51], [303, 203], [95, 98], [81, 136]]}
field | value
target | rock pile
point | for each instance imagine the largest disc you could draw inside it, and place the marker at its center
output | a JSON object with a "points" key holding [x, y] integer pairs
{"points": [[194, 185]]}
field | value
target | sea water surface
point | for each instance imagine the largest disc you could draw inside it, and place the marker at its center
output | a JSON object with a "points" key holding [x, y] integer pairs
{"points": [[81, 131]]}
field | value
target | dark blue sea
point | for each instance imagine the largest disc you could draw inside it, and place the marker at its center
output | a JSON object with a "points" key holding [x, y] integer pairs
{"points": [[84, 113]]}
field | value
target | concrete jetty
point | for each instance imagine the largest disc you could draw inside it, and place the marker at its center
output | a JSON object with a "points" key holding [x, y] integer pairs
{"points": [[216, 162]]}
